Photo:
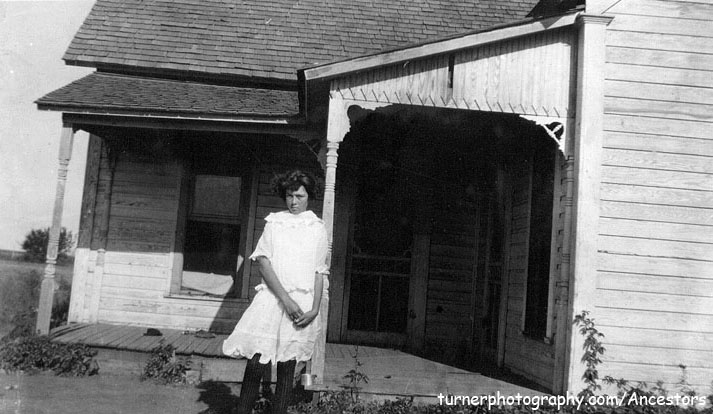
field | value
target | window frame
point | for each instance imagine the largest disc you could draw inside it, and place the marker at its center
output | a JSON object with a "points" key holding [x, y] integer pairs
{"points": [[246, 220], [554, 248]]}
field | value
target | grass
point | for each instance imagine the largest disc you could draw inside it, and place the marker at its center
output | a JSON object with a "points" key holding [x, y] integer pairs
{"points": [[19, 290], [9, 268]]}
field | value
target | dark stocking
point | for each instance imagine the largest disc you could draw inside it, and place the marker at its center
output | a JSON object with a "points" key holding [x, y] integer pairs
{"points": [[283, 390], [251, 385]]}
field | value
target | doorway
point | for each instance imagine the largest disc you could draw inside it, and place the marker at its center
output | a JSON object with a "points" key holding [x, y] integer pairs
{"points": [[383, 181], [424, 196]]}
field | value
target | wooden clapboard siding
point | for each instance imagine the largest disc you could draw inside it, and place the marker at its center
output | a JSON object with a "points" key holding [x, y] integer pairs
{"points": [[657, 213], [530, 75], [627, 193], [141, 219], [655, 74], [673, 322], [658, 178], [697, 377], [663, 109], [449, 303], [658, 92], [680, 10], [665, 266], [644, 337], [699, 287], [655, 301], [654, 297], [656, 126], [660, 58], [696, 26], [661, 231]]}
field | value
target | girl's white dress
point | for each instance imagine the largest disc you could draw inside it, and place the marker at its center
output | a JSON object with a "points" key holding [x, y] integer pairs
{"points": [[296, 245]]}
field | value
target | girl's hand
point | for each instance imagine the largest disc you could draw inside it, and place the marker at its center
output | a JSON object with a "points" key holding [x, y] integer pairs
{"points": [[306, 318], [292, 308]]}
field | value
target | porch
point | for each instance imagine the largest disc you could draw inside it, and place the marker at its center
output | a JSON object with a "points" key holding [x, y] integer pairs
{"points": [[391, 373]]}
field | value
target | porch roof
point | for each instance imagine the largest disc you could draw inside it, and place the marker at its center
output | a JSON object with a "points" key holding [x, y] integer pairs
{"points": [[108, 93], [443, 45]]}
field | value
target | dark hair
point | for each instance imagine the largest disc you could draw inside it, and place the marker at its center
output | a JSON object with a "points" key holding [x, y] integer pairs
{"points": [[292, 181]]}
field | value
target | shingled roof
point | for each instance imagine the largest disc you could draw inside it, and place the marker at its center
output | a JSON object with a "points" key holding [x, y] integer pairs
{"points": [[119, 94], [269, 39]]}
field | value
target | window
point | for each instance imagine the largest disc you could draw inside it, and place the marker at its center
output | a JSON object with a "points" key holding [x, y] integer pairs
{"points": [[537, 301], [211, 224], [211, 251]]}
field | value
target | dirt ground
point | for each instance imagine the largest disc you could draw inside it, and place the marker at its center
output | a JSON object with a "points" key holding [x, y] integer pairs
{"points": [[110, 394]]}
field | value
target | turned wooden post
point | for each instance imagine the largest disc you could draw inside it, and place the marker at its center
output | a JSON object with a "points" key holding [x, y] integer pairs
{"points": [[337, 128], [317, 366], [44, 312]]}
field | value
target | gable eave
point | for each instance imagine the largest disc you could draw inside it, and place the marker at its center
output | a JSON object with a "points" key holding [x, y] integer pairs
{"points": [[438, 47]]}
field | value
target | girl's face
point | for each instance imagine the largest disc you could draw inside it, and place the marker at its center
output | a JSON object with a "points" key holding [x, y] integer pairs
{"points": [[297, 200]]}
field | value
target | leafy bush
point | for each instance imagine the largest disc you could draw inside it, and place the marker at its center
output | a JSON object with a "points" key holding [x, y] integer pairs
{"points": [[165, 367], [39, 353], [35, 244], [19, 299], [593, 350]]}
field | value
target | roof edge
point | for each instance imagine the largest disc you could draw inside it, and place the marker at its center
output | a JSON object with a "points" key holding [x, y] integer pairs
{"points": [[438, 47], [295, 129], [292, 119], [211, 78]]}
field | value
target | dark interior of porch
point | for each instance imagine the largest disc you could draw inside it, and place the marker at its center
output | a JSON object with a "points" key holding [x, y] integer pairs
{"points": [[425, 197]]}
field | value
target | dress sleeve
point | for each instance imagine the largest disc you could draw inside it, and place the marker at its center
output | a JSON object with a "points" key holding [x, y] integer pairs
{"points": [[264, 245], [321, 254]]}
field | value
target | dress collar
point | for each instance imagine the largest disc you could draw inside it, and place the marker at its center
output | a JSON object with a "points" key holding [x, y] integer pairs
{"points": [[306, 217]]}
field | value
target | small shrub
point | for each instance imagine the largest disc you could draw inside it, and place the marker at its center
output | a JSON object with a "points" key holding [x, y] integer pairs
{"points": [[165, 367], [35, 245], [355, 377], [593, 349], [39, 353], [335, 402]]}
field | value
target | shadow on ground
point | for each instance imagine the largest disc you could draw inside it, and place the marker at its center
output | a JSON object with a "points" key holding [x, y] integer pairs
{"points": [[219, 397]]}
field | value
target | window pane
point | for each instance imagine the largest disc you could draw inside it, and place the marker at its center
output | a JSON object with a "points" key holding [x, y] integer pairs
{"points": [[216, 197], [364, 297], [211, 247], [394, 304], [538, 264]]}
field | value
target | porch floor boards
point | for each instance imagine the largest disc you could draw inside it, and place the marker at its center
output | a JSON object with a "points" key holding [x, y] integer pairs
{"points": [[391, 373]]}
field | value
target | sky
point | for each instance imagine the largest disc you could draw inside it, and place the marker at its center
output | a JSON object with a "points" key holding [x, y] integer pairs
{"points": [[33, 38]]}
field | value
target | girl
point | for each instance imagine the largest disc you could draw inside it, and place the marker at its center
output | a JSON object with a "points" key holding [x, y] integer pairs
{"points": [[281, 323]]}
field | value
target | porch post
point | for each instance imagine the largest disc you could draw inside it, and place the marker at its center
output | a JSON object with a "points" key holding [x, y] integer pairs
{"points": [[337, 128], [587, 180], [562, 283], [44, 313]]}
